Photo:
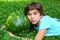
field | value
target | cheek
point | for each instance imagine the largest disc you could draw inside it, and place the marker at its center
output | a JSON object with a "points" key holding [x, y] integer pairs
{"points": [[38, 18], [28, 17]]}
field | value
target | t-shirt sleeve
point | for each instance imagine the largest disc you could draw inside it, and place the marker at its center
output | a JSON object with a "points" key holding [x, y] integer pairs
{"points": [[44, 24]]}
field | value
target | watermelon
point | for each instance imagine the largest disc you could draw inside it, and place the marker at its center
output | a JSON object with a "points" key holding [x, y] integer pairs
{"points": [[17, 22]]}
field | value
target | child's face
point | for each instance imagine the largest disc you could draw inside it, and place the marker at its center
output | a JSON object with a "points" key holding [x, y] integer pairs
{"points": [[34, 16]]}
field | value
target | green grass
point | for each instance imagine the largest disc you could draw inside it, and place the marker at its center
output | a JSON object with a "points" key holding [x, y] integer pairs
{"points": [[51, 8]]}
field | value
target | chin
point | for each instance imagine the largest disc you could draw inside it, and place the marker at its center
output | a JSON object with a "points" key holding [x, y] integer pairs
{"points": [[33, 23]]}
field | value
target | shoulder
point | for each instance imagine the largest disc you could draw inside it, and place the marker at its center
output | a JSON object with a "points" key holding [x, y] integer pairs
{"points": [[44, 22], [45, 19]]}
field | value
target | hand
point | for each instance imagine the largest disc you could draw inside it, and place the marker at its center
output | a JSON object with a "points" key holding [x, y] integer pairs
{"points": [[3, 26], [10, 34]]}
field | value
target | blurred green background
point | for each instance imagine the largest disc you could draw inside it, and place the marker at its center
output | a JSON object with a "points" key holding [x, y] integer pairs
{"points": [[50, 7]]}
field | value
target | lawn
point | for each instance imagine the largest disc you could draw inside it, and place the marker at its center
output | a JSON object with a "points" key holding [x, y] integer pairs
{"points": [[51, 8]]}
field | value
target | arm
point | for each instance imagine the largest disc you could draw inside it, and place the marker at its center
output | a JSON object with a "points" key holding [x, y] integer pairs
{"points": [[12, 35], [40, 34]]}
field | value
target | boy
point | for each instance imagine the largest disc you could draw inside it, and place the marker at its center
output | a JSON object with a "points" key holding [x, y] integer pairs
{"points": [[45, 25]]}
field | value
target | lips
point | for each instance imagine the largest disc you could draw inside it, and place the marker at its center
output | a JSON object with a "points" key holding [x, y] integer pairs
{"points": [[32, 20]]}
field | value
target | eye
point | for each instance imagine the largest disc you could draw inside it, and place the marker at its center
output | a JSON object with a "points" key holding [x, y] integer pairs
{"points": [[35, 13]]}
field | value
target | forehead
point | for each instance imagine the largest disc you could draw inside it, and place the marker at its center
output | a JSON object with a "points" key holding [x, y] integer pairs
{"points": [[33, 11]]}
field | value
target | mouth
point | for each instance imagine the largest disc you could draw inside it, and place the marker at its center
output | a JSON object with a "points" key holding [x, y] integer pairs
{"points": [[32, 20]]}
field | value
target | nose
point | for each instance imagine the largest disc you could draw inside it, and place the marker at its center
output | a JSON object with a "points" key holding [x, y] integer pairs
{"points": [[32, 17]]}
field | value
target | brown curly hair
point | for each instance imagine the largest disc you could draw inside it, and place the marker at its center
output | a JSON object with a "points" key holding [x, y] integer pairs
{"points": [[32, 6]]}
